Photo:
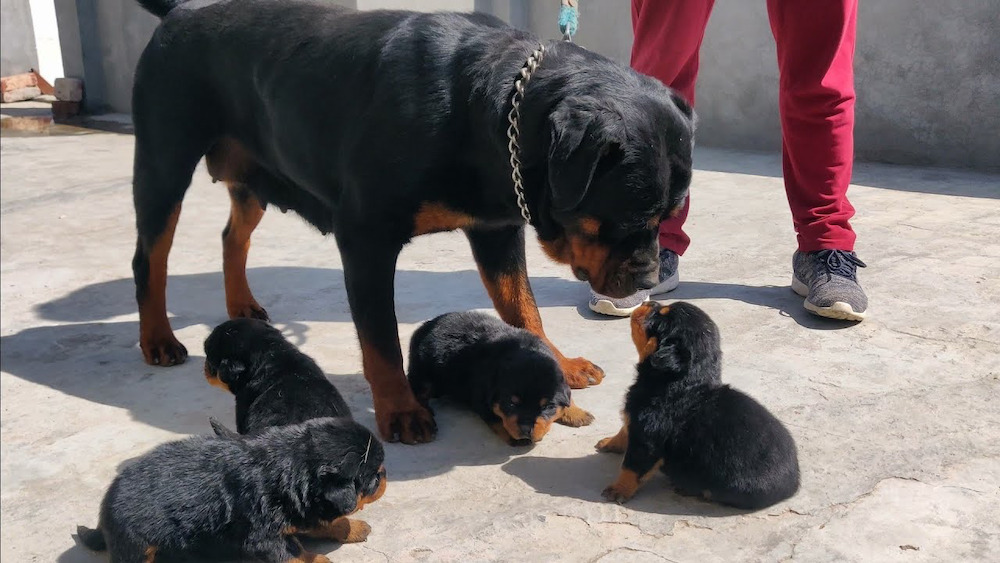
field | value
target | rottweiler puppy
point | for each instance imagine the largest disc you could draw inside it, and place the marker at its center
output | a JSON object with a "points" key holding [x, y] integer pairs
{"points": [[243, 498], [274, 383], [710, 439], [506, 375], [413, 138]]}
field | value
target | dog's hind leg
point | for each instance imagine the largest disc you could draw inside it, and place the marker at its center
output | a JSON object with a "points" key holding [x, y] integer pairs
{"points": [[173, 130], [244, 216]]}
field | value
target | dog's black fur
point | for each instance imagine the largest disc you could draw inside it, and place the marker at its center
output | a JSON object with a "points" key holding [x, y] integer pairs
{"points": [[239, 498], [711, 439], [274, 383], [506, 375], [380, 126]]}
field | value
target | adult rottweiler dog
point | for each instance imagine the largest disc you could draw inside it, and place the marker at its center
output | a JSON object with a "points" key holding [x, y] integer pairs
{"points": [[381, 126]]}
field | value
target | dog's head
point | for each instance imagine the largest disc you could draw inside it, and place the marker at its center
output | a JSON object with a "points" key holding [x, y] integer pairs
{"points": [[347, 465], [529, 395], [619, 161], [234, 347], [679, 340]]}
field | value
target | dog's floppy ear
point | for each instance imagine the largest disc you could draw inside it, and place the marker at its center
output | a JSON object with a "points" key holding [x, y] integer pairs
{"points": [[576, 146], [230, 370], [337, 482], [667, 357]]}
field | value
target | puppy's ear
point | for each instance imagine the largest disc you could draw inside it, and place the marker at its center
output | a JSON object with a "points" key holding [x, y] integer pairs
{"points": [[577, 146], [667, 357], [230, 370], [221, 430], [337, 483]]}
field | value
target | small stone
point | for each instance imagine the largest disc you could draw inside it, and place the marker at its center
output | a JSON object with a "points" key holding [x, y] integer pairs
{"points": [[18, 81], [69, 89], [21, 94]]}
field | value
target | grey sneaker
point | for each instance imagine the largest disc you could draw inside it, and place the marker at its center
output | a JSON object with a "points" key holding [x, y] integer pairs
{"points": [[624, 306], [828, 279]]}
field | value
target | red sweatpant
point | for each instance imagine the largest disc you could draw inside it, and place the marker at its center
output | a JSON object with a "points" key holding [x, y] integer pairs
{"points": [[815, 45]]}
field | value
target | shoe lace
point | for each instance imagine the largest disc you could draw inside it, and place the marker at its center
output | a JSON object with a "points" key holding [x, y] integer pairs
{"points": [[840, 263]]}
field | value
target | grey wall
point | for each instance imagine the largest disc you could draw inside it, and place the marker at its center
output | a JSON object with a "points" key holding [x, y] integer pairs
{"points": [[927, 71], [927, 76], [17, 38]]}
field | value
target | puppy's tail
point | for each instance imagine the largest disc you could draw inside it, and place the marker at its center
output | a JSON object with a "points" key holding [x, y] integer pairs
{"points": [[92, 539], [160, 8], [222, 431]]}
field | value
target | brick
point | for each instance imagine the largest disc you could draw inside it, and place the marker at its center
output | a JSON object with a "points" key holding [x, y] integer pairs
{"points": [[21, 94], [17, 82], [64, 110], [69, 89]]}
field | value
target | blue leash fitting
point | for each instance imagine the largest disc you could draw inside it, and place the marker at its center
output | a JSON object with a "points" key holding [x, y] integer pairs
{"points": [[569, 21]]}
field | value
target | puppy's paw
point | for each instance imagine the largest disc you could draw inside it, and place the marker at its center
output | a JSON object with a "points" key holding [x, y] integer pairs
{"points": [[575, 416], [611, 445], [349, 530], [580, 373], [616, 494]]}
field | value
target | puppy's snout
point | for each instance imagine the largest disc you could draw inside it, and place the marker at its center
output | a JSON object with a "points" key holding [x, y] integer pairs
{"points": [[581, 274], [648, 278], [525, 431]]}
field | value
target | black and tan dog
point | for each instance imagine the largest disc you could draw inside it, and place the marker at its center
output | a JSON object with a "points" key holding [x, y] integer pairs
{"points": [[506, 375], [711, 440], [406, 134], [273, 382], [243, 499]]}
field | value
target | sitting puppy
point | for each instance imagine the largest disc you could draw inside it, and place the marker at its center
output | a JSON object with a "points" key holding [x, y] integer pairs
{"points": [[710, 439], [507, 375], [243, 498], [274, 383]]}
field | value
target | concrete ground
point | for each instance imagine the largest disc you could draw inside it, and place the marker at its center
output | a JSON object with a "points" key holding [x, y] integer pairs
{"points": [[897, 419]]}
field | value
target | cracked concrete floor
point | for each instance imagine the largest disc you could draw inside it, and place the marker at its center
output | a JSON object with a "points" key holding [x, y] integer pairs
{"points": [[897, 419]]}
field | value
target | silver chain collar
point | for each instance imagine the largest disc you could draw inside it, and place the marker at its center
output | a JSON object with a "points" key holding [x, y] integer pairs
{"points": [[513, 131]]}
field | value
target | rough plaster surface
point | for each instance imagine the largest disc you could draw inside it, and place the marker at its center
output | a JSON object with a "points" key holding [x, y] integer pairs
{"points": [[896, 419]]}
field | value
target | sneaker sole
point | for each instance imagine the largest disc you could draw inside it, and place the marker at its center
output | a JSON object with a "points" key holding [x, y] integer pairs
{"points": [[605, 307], [839, 310], [667, 285]]}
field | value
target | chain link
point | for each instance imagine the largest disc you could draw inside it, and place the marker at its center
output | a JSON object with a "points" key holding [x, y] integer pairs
{"points": [[513, 131]]}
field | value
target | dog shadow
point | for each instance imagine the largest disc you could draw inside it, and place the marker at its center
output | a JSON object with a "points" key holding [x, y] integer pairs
{"points": [[591, 474]]}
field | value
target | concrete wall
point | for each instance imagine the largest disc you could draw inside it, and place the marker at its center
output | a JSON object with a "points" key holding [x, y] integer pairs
{"points": [[927, 76], [17, 38], [928, 71]]}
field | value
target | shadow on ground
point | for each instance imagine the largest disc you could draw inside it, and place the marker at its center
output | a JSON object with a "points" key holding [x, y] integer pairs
{"points": [[584, 478]]}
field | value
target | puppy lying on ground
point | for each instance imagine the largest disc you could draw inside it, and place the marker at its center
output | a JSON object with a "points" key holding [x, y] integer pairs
{"points": [[274, 383], [243, 498], [711, 440], [507, 375]]}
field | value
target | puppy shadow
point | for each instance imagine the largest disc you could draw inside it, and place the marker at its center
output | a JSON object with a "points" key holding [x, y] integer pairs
{"points": [[584, 478], [463, 440]]}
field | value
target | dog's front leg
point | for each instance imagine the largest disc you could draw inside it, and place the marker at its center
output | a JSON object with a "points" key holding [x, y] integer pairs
{"points": [[369, 269], [500, 257]]}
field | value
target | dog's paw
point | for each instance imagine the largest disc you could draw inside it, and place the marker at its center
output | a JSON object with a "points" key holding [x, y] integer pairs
{"points": [[162, 349], [610, 445], [580, 373], [348, 530], [247, 310], [615, 494], [404, 421], [575, 416]]}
